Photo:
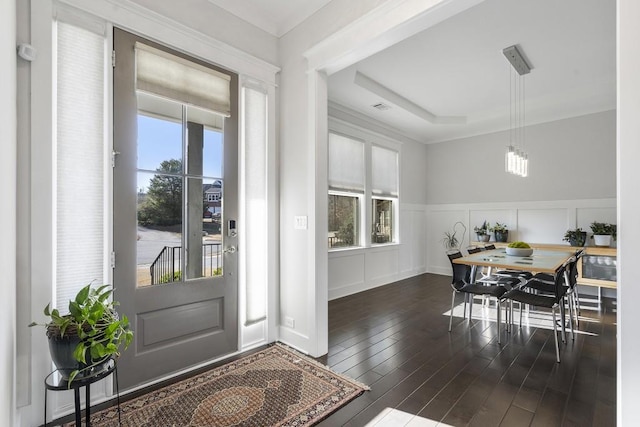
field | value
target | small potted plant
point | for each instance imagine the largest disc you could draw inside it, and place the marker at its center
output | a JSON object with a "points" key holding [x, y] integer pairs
{"points": [[482, 232], [603, 233], [575, 237], [89, 335], [500, 232]]}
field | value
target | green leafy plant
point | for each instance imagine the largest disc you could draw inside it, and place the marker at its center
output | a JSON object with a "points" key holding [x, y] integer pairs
{"points": [[482, 230], [499, 228], [93, 319], [575, 237], [603, 229]]}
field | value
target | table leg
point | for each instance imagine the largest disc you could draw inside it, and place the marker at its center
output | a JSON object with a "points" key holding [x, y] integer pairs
{"points": [[76, 398], [118, 395], [45, 406], [87, 403]]}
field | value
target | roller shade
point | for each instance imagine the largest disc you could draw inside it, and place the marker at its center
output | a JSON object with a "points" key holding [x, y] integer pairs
{"points": [[384, 171], [170, 76], [346, 163]]}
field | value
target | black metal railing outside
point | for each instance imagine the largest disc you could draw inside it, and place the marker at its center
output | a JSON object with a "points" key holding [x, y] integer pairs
{"points": [[166, 268]]}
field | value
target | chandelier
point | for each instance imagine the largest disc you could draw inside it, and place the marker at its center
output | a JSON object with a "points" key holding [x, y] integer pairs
{"points": [[516, 158]]}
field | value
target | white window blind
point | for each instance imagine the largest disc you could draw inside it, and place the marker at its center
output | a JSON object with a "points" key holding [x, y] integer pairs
{"points": [[80, 206], [170, 76], [255, 188], [384, 171], [346, 163]]}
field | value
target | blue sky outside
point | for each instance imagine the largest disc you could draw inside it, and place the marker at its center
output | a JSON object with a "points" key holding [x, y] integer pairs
{"points": [[160, 140]]}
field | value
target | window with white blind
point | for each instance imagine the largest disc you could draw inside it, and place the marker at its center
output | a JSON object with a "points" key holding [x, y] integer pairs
{"points": [[346, 190], [384, 189], [79, 161], [363, 192]]}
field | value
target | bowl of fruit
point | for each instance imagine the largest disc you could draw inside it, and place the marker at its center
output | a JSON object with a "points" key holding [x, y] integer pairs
{"points": [[519, 249]]}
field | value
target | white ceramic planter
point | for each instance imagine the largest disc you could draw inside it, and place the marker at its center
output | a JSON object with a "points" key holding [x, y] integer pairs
{"points": [[602, 239]]}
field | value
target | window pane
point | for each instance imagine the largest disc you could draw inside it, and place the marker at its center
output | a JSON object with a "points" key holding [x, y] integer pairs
{"points": [[203, 240], [159, 131], [382, 221], [204, 142], [343, 221], [159, 239]]}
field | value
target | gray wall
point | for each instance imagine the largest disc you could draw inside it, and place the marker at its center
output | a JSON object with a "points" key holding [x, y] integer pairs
{"points": [[569, 159]]}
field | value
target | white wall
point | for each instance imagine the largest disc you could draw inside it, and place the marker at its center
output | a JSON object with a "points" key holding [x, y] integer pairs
{"points": [[628, 211], [8, 112], [568, 159]]}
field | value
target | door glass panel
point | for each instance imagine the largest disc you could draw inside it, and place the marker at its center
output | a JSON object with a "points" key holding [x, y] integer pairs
{"points": [[179, 214], [203, 238], [159, 238], [159, 131]]}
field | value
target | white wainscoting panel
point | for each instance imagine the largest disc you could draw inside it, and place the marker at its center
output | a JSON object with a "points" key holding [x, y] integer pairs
{"points": [[413, 242], [543, 225]]}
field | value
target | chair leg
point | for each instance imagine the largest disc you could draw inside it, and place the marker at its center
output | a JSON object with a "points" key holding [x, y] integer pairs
{"points": [[498, 309], [453, 300], [562, 320], [520, 304], [576, 304], [555, 333], [571, 308], [470, 307], [464, 308]]}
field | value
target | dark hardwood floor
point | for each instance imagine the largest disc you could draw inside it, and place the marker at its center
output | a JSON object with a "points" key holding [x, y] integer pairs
{"points": [[394, 338]]}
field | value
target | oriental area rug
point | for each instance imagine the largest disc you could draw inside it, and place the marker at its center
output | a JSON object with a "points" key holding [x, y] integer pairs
{"points": [[274, 387]]}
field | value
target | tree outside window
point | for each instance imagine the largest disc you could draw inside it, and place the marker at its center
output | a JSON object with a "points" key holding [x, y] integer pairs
{"points": [[343, 221]]}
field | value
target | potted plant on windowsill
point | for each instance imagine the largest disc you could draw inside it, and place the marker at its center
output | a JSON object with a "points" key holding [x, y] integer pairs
{"points": [[575, 237], [603, 233], [482, 232], [89, 335], [500, 232]]}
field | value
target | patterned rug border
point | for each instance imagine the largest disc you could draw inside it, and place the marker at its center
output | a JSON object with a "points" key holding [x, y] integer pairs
{"points": [[309, 414], [312, 361]]}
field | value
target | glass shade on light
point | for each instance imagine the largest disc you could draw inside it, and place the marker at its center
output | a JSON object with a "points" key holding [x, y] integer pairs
{"points": [[516, 161]]}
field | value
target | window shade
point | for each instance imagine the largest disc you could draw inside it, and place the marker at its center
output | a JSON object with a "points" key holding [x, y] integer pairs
{"points": [[255, 158], [384, 171], [80, 198], [170, 76], [346, 163]]}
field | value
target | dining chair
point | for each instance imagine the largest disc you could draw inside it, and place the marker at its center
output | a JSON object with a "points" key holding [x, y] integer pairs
{"points": [[461, 284], [553, 301]]}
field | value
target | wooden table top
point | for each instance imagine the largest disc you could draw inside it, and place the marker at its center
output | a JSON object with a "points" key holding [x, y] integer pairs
{"points": [[542, 261]]}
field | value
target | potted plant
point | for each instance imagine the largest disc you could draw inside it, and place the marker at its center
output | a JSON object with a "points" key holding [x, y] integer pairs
{"points": [[450, 240], [89, 335], [603, 232], [482, 232], [500, 232], [575, 237]]}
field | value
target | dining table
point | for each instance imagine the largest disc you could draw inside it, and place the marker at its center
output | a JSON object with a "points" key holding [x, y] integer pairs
{"points": [[540, 261]]}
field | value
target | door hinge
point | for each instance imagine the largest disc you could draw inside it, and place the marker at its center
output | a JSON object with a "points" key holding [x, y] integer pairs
{"points": [[113, 58], [114, 153], [113, 260]]}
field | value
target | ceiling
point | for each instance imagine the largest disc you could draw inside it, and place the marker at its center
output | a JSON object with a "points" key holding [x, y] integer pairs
{"points": [[456, 68], [276, 17]]}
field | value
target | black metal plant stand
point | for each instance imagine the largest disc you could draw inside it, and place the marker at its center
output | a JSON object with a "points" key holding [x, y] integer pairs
{"points": [[55, 382]]}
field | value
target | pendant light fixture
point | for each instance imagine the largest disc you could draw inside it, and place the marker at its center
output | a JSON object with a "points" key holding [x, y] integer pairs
{"points": [[516, 159]]}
